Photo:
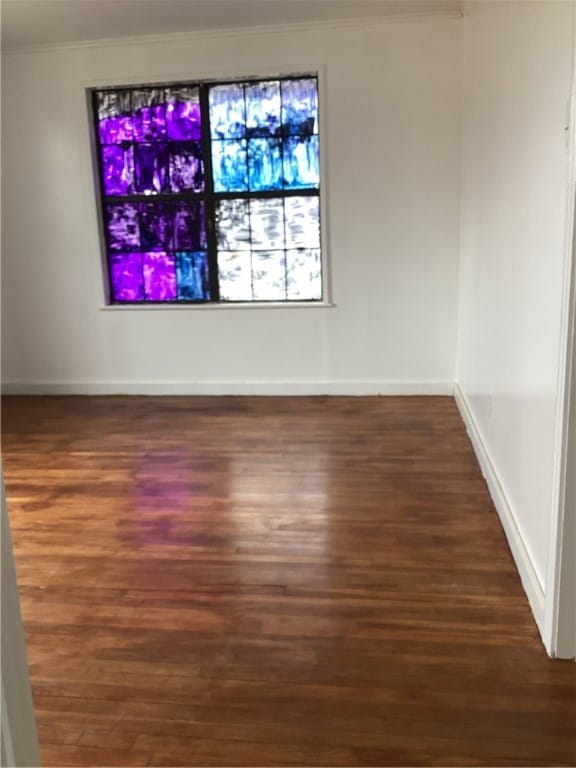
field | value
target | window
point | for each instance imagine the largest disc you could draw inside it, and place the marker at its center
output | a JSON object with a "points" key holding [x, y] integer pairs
{"points": [[210, 191]]}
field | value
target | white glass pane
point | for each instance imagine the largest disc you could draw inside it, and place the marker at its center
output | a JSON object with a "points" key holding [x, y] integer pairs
{"points": [[302, 222], [304, 274], [235, 275], [232, 225], [267, 224], [269, 275]]}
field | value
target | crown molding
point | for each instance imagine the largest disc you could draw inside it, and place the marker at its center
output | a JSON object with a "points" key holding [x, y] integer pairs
{"points": [[216, 34]]}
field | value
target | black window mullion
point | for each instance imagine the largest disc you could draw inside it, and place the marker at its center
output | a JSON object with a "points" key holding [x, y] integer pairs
{"points": [[268, 193], [209, 201], [161, 197]]}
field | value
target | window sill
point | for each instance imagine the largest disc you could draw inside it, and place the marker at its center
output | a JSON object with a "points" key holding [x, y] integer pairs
{"points": [[223, 306]]}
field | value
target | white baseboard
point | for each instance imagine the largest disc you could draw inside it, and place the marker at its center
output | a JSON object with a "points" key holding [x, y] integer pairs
{"points": [[358, 388], [528, 575]]}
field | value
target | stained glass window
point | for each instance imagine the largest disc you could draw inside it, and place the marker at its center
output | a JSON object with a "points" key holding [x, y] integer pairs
{"points": [[211, 191]]}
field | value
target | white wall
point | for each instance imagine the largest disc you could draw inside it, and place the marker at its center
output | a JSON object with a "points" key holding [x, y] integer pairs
{"points": [[392, 119], [517, 78], [564, 636]]}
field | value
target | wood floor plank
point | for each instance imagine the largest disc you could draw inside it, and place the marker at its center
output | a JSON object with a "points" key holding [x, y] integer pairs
{"points": [[272, 581]]}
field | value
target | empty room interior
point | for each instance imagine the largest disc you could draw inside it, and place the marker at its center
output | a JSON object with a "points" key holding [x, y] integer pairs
{"points": [[288, 383]]}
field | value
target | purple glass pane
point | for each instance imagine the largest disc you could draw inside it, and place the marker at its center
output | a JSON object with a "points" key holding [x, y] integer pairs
{"points": [[186, 167], [151, 161], [183, 120], [123, 229], [114, 116], [189, 231], [156, 226], [118, 170], [126, 277], [149, 114], [159, 276], [115, 130]]}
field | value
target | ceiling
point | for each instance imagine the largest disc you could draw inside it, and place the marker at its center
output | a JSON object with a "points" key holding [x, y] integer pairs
{"points": [[53, 22]]}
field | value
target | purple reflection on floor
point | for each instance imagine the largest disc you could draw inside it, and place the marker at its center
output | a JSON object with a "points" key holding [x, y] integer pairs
{"points": [[159, 276], [126, 276], [118, 170], [183, 121], [150, 123], [114, 130], [151, 161]]}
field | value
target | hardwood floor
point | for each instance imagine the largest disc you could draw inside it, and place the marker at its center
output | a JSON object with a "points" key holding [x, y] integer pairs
{"points": [[272, 581]]}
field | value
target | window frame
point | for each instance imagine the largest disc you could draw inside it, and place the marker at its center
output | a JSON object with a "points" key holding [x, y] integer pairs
{"points": [[209, 196]]}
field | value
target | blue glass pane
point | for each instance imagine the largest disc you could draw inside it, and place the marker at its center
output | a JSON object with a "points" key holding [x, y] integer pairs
{"points": [[151, 161], [264, 164], [149, 112], [192, 275], [229, 166], [232, 225], [301, 165], [263, 109], [114, 116], [267, 224], [186, 167], [156, 226], [183, 121], [126, 279], [227, 112], [299, 107], [118, 169], [189, 229], [123, 229]]}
